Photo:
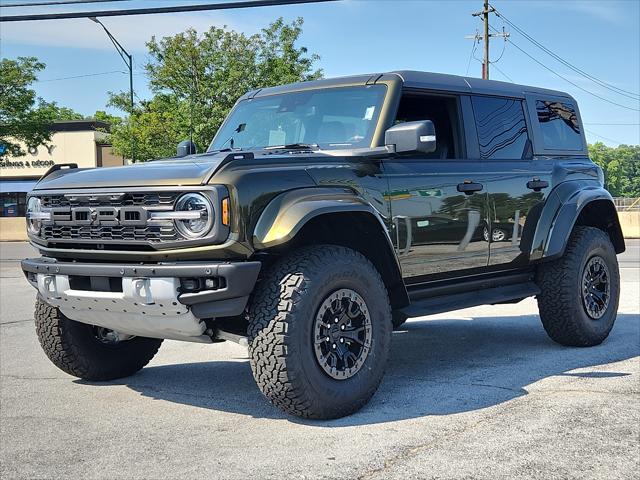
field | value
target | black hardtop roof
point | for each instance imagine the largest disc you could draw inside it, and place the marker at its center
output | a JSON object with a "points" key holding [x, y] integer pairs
{"points": [[419, 80]]}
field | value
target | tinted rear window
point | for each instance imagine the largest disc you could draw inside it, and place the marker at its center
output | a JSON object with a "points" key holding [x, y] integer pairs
{"points": [[502, 130], [559, 125]]}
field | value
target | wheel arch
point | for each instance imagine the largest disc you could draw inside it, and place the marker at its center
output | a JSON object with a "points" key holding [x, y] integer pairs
{"points": [[334, 216], [572, 205]]}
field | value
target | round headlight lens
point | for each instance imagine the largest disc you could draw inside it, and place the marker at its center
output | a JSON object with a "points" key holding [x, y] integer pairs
{"points": [[196, 227], [34, 205]]}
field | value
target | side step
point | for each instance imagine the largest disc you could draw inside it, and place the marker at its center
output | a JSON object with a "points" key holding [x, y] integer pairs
{"points": [[424, 304]]}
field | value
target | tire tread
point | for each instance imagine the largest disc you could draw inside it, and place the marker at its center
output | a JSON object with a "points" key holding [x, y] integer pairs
{"points": [[71, 353], [273, 310], [559, 298]]}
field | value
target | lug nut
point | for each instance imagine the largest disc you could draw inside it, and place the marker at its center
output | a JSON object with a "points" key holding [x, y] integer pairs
{"points": [[342, 340], [342, 327], [328, 339], [333, 346], [336, 320]]}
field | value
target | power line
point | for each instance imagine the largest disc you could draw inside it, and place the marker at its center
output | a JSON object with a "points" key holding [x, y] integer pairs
{"points": [[613, 124], [155, 10], [503, 74], [594, 79], [604, 138], [58, 2], [567, 80], [79, 76], [473, 51]]}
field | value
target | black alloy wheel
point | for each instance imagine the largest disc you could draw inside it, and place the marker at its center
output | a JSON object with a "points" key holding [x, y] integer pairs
{"points": [[596, 288], [342, 334]]}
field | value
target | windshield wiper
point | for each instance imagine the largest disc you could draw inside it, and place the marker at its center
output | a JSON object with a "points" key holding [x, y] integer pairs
{"points": [[222, 150], [293, 146], [231, 141]]}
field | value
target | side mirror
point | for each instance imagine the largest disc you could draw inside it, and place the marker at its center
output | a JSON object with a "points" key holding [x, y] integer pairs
{"points": [[412, 137], [186, 147]]}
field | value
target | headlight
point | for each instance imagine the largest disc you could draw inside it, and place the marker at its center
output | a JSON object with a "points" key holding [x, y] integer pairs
{"points": [[34, 215], [202, 222]]}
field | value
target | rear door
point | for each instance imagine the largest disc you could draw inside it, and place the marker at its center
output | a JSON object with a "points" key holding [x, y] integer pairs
{"points": [[516, 184]]}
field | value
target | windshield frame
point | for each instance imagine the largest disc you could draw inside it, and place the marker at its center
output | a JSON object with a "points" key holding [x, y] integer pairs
{"points": [[380, 116]]}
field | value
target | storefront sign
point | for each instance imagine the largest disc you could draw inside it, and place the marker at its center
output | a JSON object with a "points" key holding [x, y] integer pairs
{"points": [[26, 163], [22, 162], [70, 144]]}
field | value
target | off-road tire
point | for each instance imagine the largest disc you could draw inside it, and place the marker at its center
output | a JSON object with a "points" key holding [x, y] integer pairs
{"points": [[281, 318], [560, 302], [74, 349]]}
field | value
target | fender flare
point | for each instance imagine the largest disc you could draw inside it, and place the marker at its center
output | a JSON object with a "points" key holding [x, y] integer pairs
{"points": [[287, 213], [559, 216], [290, 211]]}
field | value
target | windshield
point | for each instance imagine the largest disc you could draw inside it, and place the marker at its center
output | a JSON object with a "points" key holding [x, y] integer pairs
{"points": [[330, 118]]}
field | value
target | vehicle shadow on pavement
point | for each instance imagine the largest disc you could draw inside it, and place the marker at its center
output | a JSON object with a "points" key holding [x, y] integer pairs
{"points": [[437, 367]]}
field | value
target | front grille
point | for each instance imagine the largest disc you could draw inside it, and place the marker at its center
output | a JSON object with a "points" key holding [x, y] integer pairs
{"points": [[63, 235], [149, 200]]}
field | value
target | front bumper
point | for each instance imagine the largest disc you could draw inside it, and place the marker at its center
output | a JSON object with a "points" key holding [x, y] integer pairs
{"points": [[144, 299]]}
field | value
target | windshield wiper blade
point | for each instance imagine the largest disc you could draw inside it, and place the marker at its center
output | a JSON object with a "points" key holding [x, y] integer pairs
{"points": [[224, 150], [293, 146]]}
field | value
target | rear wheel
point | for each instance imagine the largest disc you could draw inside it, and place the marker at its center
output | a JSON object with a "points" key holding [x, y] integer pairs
{"points": [[579, 292], [87, 351], [319, 332]]}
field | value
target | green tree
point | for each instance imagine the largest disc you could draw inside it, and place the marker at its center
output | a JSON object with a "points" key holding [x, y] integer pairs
{"points": [[64, 113], [621, 166], [23, 116], [197, 78], [103, 116]]}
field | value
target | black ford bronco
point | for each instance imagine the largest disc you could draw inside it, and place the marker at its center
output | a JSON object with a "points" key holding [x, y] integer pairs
{"points": [[322, 215]]}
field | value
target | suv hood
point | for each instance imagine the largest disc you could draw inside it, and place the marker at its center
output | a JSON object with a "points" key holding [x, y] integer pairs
{"points": [[192, 170]]}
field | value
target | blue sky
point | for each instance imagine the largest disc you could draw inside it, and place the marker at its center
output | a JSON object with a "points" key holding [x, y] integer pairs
{"points": [[601, 37]]}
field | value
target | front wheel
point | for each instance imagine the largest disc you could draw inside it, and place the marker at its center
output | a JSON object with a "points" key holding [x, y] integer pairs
{"points": [[87, 351], [579, 292], [319, 332]]}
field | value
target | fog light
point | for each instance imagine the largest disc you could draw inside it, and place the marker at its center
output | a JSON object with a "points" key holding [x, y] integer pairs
{"points": [[198, 284]]}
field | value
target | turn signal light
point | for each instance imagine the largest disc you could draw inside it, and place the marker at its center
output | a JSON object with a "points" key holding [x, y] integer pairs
{"points": [[225, 211]]}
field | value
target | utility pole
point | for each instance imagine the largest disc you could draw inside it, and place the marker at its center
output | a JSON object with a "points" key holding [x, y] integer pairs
{"points": [[486, 37], [485, 62]]}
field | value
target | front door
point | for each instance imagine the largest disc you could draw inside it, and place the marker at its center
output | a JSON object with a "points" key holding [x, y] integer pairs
{"points": [[438, 202]]}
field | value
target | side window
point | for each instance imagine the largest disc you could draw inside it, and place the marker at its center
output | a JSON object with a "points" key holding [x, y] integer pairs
{"points": [[443, 112], [502, 129], [559, 125]]}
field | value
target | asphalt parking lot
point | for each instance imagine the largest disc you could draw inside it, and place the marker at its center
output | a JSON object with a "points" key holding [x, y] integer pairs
{"points": [[476, 393]]}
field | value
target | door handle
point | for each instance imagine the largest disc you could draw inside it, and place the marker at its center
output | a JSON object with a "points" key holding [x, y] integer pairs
{"points": [[536, 184], [468, 187]]}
